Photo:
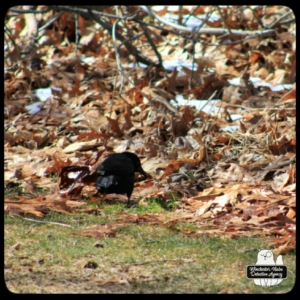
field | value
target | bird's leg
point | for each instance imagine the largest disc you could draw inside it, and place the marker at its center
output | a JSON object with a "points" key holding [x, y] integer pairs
{"points": [[102, 198], [131, 203]]}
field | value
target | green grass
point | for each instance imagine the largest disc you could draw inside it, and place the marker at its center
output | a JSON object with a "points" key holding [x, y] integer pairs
{"points": [[138, 259], [150, 205]]}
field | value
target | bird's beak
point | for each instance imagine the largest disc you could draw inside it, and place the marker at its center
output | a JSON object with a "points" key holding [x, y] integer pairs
{"points": [[143, 172]]}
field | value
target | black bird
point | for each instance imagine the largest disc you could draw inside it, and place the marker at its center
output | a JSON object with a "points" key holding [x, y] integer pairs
{"points": [[116, 174]]}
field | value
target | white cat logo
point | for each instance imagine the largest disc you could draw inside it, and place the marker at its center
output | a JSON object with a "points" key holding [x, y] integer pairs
{"points": [[266, 257]]}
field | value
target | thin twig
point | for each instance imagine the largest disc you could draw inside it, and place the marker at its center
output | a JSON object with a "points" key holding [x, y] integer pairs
{"points": [[244, 34], [224, 21], [10, 35], [50, 22], [280, 19], [195, 35], [52, 223], [152, 44], [118, 59], [76, 34], [215, 31], [253, 35], [128, 45], [28, 11], [193, 63]]}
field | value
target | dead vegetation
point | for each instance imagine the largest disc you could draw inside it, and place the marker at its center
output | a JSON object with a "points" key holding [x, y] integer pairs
{"points": [[230, 164]]}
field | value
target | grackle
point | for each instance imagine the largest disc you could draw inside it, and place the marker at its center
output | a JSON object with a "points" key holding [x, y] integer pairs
{"points": [[115, 175]]}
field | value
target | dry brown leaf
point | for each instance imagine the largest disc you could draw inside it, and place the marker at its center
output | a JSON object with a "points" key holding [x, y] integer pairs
{"points": [[84, 93], [37, 206], [114, 124], [96, 231]]}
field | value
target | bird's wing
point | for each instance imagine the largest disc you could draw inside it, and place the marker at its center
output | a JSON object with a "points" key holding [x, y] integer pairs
{"points": [[116, 165], [107, 181]]}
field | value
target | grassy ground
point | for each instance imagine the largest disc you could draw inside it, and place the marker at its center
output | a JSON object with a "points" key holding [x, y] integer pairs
{"points": [[140, 258]]}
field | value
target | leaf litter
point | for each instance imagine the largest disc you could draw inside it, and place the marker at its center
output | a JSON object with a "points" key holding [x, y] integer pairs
{"points": [[230, 183]]}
